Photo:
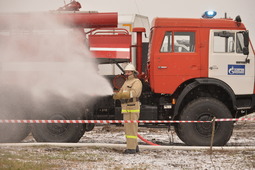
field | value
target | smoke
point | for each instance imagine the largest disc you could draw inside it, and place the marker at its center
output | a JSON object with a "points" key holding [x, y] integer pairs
{"points": [[44, 62]]}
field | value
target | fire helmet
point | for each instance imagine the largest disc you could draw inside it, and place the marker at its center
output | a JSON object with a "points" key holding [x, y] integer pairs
{"points": [[130, 67]]}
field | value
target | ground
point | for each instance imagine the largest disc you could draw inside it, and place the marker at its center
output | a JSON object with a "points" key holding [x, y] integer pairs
{"points": [[101, 157]]}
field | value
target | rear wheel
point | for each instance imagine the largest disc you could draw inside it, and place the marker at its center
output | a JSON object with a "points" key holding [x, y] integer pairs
{"points": [[13, 132], [59, 132], [15, 103], [199, 134]]}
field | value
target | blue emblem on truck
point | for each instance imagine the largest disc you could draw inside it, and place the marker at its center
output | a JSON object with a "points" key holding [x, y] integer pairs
{"points": [[236, 69]]}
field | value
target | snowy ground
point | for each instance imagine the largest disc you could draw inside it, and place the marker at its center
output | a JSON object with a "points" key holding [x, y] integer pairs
{"points": [[95, 157], [243, 135]]}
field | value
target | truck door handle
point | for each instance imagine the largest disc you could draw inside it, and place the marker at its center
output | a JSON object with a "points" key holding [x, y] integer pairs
{"points": [[214, 67], [247, 61], [162, 67]]}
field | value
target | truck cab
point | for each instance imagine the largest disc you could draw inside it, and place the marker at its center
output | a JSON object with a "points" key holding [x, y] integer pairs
{"points": [[202, 62], [184, 49]]}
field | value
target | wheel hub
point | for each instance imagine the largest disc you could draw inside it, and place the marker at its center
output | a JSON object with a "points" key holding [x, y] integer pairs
{"points": [[205, 128], [57, 128]]}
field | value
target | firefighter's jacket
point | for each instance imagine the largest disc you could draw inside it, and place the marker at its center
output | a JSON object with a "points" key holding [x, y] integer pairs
{"points": [[134, 87]]}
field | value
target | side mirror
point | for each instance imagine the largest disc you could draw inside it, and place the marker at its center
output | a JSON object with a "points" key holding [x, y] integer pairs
{"points": [[246, 51], [246, 43]]}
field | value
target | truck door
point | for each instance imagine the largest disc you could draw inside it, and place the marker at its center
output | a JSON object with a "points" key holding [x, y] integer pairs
{"points": [[176, 60], [228, 63]]}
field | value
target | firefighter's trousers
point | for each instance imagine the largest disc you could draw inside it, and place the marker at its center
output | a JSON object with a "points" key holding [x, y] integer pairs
{"points": [[131, 129]]}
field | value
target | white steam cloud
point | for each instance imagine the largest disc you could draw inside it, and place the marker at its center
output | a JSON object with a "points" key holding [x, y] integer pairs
{"points": [[51, 60], [46, 72], [48, 59]]}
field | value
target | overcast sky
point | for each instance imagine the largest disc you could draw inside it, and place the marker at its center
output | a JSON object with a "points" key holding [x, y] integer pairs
{"points": [[150, 8]]}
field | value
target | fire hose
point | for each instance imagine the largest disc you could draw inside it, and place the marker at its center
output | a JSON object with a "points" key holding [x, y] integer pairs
{"points": [[146, 141]]}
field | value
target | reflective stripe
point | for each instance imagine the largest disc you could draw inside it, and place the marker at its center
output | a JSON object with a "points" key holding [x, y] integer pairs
{"points": [[132, 111], [131, 137]]}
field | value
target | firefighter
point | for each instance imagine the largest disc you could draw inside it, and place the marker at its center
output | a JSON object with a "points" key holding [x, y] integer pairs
{"points": [[130, 107]]}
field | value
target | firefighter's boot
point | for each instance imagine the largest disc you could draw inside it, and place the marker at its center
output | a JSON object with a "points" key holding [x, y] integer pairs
{"points": [[130, 151], [137, 149]]}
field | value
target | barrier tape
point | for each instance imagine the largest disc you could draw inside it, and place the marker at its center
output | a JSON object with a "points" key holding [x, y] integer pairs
{"points": [[124, 121]]}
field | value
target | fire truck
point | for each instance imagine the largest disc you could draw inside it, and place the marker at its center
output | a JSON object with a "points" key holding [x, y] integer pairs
{"points": [[191, 69]]}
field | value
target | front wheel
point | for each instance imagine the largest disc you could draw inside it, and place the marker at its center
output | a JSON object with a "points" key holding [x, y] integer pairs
{"points": [[199, 134]]}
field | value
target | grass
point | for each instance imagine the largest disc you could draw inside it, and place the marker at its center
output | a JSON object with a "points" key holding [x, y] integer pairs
{"points": [[9, 160], [51, 157], [41, 157], [20, 165]]}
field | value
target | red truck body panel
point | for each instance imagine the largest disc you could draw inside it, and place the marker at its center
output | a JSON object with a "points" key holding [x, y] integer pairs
{"points": [[110, 48]]}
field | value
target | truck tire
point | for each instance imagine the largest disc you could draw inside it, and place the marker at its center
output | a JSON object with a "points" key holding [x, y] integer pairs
{"points": [[15, 104], [59, 132], [13, 133], [199, 134]]}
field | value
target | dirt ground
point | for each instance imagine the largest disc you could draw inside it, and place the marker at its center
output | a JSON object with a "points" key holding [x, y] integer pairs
{"points": [[95, 157]]}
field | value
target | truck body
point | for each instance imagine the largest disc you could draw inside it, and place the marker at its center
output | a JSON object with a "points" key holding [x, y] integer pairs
{"points": [[191, 69]]}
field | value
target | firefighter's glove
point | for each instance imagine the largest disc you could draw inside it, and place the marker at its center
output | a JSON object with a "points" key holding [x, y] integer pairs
{"points": [[121, 95], [117, 96], [125, 95]]}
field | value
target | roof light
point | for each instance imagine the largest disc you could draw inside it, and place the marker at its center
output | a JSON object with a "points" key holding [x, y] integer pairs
{"points": [[209, 14]]}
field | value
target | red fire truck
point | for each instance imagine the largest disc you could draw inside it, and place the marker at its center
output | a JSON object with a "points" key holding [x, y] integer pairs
{"points": [[191, 69]]}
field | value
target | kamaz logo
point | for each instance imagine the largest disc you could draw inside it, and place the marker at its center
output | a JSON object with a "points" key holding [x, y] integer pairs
{"points": [[236, 69]]}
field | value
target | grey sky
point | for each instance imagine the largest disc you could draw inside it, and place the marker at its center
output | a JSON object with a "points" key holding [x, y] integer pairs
{"points": [[150, 8]]}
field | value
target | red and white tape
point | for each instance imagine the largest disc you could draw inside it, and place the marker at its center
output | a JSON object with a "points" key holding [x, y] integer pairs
{"points": [[123, 121]]}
